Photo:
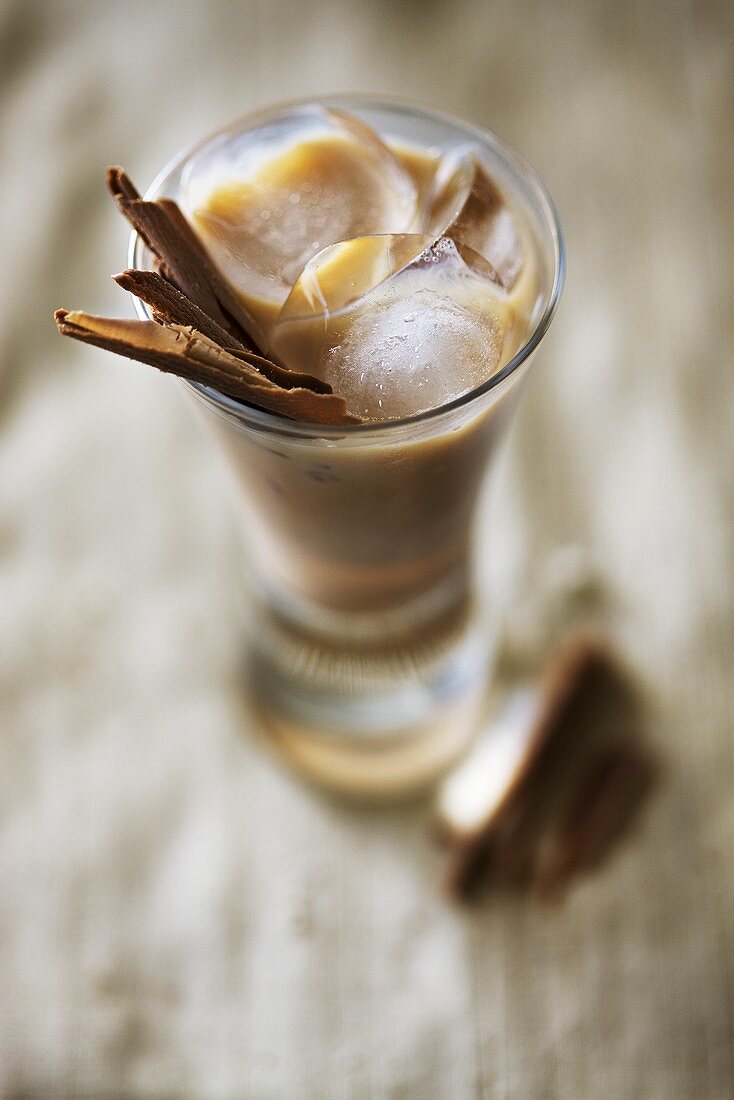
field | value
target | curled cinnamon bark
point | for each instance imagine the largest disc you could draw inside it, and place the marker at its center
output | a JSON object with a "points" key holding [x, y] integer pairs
{"points": [[183, 259], [555, 775], [170, 307], [201, 330], [603, 800], [183, 351]]}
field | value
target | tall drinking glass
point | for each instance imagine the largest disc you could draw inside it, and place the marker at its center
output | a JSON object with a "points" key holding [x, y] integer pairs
{"points": [[368, 649]]}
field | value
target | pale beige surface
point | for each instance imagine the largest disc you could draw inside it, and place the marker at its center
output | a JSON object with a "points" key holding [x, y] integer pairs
{"points": [[178, 918]]}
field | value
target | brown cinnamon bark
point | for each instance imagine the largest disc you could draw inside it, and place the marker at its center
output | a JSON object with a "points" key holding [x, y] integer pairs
{"points": [[183, 351], [201, 330], [229, 301], [120, 184], [503, 846], [604, 798], [183, 260], [170, 307], [580, 772]]}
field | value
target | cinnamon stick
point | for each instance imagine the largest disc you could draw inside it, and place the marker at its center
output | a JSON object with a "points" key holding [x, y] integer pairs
{"points": [[603, 800], [183, 351], [201, 330], [556, 778], [534, 729], [119, 183], [170, 307], [229, 301], [183, 259]]}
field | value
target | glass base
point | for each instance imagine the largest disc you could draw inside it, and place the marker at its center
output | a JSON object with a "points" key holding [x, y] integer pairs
{"points": [[367, 721]]}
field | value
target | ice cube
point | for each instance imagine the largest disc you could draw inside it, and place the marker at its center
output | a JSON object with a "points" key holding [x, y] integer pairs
{"points": [[348, 271], [266, 201], [396, 325], [468, 206]]}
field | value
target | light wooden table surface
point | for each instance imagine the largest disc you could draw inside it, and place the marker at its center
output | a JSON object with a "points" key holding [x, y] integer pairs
{"points": [[178, 917]]}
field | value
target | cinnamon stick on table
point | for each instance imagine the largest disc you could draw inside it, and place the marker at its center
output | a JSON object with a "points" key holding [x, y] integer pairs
{"points": [[603, 799], [549, 783]]}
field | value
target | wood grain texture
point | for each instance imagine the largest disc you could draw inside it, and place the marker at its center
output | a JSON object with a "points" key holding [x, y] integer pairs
{"points": [[179, 917]]}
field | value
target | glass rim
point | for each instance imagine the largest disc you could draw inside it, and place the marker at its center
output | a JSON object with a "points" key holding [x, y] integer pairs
{"points": [[261, 420]]}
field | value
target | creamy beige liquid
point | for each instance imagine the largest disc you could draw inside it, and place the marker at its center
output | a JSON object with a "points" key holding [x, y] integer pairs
{"points": [[369, 527], [392, 340], [405, 277]]}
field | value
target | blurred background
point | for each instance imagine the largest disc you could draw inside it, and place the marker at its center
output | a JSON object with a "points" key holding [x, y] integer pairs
{"points": [[178, 916]]}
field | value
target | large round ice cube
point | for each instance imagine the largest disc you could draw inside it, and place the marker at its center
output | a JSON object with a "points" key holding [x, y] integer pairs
{"points": [[397, 326], [266, 201]]}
